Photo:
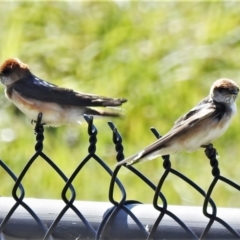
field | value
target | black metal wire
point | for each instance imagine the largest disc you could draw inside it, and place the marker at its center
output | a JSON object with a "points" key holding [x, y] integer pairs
{"points": [[38, 147], [22, 193], [117, 140], [92, 131], [163, 209], [211, 154], [122, 204], [150, 184]]}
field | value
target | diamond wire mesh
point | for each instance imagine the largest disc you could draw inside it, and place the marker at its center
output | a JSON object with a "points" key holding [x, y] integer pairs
{"points": [[103, 229]]}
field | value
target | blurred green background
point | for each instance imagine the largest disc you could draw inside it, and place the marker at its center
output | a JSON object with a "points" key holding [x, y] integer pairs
{"points": [[162, 56]]}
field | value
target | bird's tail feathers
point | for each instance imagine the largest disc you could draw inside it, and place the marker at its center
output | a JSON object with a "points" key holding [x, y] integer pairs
{"points": [[147, 154], [104, 101], [114, 102], [90, 111], [132, 159]]}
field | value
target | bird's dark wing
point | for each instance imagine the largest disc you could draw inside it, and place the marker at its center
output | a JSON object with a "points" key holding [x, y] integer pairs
{"points": [[37, 89], [205, 104], [204, 109]]}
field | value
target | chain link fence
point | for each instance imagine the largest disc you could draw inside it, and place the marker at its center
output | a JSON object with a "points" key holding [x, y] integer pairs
{"points": [[24, 218]]}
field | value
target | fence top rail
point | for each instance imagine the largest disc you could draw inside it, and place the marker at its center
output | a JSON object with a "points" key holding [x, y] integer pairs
{"points": [[47, 210]]}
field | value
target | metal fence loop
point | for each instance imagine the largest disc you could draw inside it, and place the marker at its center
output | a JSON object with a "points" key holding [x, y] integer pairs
{"points": [[92, 131], [117, 140], [211, 154], [39, 130]]}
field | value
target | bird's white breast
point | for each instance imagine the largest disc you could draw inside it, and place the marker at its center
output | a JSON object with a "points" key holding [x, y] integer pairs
{"points": [[210, 130]]}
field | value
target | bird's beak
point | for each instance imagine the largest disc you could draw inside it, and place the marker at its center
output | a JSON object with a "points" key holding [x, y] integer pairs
{"points": [[1, 78], [234, 92]]}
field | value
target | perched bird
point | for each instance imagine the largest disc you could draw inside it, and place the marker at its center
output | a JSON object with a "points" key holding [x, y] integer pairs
{"points": [[197, 128], [58, 105]]}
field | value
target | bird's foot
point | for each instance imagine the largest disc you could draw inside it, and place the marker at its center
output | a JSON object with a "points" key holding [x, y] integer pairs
{"points": [[38, 123], [34, 122]]}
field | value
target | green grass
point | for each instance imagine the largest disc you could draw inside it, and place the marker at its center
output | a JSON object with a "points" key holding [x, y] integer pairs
{"points": [[162, 56]]}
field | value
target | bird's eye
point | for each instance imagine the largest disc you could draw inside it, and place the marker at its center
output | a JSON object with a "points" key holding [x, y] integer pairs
{"points": [[221, 89], [6, 71]]}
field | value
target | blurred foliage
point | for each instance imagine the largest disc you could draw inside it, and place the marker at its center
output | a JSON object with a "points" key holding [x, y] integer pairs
{"points": [[162, 56]]}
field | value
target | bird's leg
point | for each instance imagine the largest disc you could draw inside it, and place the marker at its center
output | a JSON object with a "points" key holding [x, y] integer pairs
{"points": [[39, 123], [206, 146], [35, 121], [39, 120]]}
